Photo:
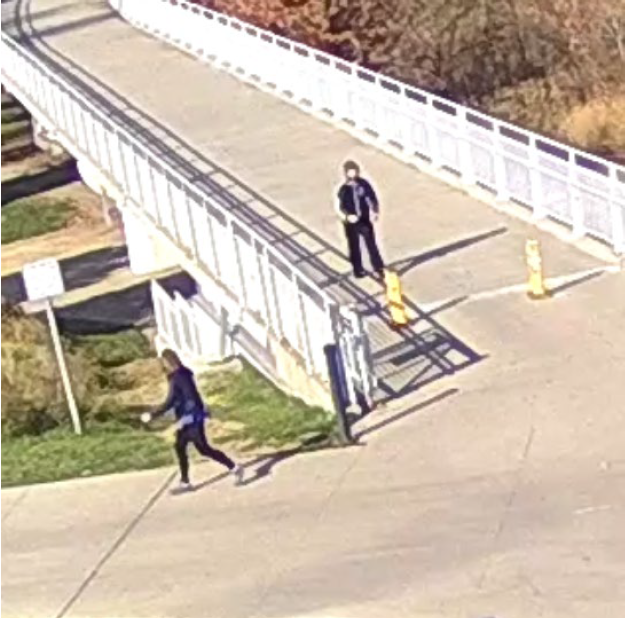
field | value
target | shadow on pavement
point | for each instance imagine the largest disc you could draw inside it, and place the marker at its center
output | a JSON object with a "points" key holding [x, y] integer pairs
{"points": [[575, 282], [52, 178], [401, 267]]}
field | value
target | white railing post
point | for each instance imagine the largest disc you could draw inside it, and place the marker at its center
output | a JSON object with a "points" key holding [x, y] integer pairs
{"points": [[171, 207], [213, 245], [465, 156], [187, 203], [264, 285], [618, 227], [432, 135], [239, 265], [272, 295], [537, 196], [499, 163], [125, 180], [304, 326], [617, 214], [577, 206]]}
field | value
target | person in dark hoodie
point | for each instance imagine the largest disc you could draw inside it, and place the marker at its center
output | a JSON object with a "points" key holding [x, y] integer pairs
{"points": [[186, 402], [358, 208]]}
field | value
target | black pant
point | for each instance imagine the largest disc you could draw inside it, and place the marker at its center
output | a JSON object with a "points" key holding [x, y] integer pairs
{"points": [[354, 232], [194, 433]]}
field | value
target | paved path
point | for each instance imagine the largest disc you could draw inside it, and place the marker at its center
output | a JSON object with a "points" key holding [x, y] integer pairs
{"points": [[494, 489]]}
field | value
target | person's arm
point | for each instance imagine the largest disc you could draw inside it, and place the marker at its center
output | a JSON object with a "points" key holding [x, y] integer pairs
{"points": [[338, 205], [372, 198], [146, 417]]}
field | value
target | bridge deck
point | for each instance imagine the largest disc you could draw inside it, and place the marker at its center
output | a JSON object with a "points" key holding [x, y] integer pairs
{"points": [[284, 166]]}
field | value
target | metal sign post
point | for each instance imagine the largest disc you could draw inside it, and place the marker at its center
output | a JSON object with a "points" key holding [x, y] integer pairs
{"points": [[43, 281], [60, 358]]}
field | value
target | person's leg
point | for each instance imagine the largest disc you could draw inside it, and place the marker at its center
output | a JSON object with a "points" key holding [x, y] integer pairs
{"points": [[204, 448], [182, 440], [368, 231], [353, 246]]}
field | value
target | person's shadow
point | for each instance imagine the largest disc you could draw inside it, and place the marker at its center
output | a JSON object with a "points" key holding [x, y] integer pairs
{"points": [[263, 465], [263, 468]]}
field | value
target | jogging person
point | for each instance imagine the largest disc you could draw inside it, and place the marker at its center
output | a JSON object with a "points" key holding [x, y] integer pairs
{"points": [[358, 208], [184, 398]]}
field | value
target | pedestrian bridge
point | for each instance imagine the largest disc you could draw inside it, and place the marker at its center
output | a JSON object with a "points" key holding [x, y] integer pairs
{"points": [[223, 156]]}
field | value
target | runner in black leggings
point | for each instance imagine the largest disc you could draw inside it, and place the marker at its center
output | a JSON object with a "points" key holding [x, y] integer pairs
{"points": [[184, 399]]}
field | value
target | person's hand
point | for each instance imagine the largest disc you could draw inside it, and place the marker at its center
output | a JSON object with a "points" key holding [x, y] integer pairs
{"points": [[352, 219], [146, 417], [375, 217]]}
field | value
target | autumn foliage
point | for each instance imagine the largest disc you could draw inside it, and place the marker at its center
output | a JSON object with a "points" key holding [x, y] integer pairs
{"points": [[539, 63]]}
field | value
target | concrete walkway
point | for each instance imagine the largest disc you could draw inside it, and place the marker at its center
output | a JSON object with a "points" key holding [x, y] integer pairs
{"points": [[493, 487]]}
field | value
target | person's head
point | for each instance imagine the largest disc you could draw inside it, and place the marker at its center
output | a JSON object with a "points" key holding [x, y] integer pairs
{"points": [[170, 360], [351, 170]]}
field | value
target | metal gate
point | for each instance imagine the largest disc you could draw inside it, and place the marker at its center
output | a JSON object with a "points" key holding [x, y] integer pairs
{"points": [[357, 362]]}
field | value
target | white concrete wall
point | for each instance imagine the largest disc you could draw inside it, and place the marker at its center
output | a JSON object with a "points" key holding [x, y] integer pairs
{"points": [[146, 252]]}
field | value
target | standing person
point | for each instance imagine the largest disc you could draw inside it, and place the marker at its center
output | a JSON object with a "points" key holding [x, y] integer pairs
{"points": [[184, 398], [359, 209]]}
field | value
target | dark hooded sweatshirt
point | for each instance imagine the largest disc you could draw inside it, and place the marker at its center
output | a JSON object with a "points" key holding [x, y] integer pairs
{"points": [[184, 398]]}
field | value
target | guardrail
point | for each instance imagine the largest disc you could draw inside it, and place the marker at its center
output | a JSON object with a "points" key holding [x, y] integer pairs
{"points": [[568, 185], [257, 277]]}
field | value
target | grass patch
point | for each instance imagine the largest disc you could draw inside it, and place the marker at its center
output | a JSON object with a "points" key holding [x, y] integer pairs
{"points": [[116, 377], [13, 130], [14, 114], [30, 217], [114, 350], [258, 415], [103, 449]]}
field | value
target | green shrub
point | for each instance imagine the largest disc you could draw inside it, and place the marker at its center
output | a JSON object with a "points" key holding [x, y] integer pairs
{"points": [[114, 350], [30, 217]]}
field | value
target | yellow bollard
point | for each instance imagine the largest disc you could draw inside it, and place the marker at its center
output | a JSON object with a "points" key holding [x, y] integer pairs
{"points": [[536, 284], [394, 299]]}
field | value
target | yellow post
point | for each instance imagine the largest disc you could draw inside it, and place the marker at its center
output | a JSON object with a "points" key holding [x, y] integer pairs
{"points": [[394, 299], [536, 283]]}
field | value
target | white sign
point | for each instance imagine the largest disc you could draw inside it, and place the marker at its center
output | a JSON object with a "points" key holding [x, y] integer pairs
{"points": [[43, 279]]}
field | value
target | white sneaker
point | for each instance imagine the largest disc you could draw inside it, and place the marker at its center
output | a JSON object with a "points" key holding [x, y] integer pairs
{"points": [[181, 488], [238, 473]]}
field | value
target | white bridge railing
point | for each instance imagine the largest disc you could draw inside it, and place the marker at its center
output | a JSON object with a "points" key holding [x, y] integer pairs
{"points": [[259, 280], [580, 190]]}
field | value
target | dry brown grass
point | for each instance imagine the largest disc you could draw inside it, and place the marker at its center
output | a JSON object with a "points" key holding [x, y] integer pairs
{"points": [[32, 399], [598, 126]]}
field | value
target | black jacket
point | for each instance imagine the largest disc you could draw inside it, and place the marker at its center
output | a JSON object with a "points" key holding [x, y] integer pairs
{"points": [[183, 397], [358, 198]]}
